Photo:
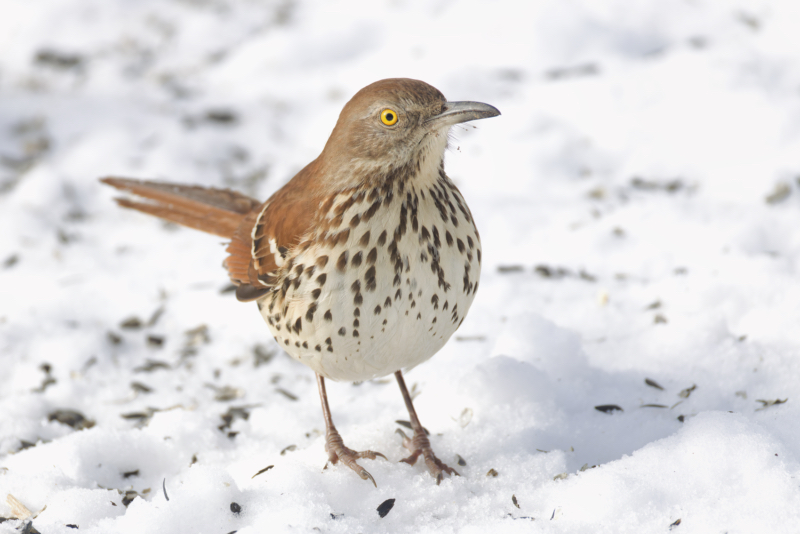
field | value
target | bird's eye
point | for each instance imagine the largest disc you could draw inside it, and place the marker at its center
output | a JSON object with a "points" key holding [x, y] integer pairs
{"points": [[389, 117]]}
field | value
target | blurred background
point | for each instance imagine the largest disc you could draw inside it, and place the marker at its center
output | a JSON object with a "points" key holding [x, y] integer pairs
{"points": [[638, 201]]}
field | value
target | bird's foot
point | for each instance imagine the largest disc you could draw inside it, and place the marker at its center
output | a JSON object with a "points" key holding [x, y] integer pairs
{"points": [[337, 451], [419, 445]]}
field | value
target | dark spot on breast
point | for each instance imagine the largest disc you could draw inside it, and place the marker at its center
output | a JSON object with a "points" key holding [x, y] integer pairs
{"points": [[355, 220], [364, 241], [424, 234], [460, 245], [322, 261], [318, 348], [372, 256], [310, 270], [448, 238], [372, 209], [398, 295], [342, 331], [328, 341], [321, 279], [378, 309], [355, 323], [315, 294], [435, 301], [388, 302], [358, 300], [356, 287], [356, 261], [355, 333], [341, 263], [357, 312], [310, 313], [401, 227], [342, 237], [479, 255], [470, 243], [436, 242], [370, 279], [382, 239], [328, 316]]}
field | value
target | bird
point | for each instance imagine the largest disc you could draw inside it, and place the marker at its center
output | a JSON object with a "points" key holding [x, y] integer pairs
{"points": [[366, 261]]}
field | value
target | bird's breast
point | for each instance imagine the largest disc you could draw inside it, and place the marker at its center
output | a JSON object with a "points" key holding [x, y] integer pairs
{"points": [[383, 285]]}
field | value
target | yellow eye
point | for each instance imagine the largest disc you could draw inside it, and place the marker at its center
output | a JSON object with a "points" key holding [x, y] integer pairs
{"points": [[389, 117]]}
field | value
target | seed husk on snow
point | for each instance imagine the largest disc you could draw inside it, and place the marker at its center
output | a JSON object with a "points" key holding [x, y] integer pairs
{"points": [[262, 471], [653, 384], [385, 507], [608, 408]]}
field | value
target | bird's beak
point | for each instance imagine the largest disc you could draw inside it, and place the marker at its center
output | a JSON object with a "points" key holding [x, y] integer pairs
{"points": [[457, 112]]}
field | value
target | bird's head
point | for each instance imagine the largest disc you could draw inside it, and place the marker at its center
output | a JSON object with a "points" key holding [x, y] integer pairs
{"points": [[396, 122]]}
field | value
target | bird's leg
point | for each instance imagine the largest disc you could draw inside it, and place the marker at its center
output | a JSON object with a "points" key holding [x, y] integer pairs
{"points": [[334, 444], [419, 444]]}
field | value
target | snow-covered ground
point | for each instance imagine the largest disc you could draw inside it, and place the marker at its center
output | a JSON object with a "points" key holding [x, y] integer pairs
{"points": [[639, 207]]}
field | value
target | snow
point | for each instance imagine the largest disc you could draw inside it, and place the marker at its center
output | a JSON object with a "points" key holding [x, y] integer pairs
{"points": [[639, 207]]}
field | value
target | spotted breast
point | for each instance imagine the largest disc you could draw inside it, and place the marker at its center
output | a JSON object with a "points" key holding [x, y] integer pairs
{"points": [[386, 277]]}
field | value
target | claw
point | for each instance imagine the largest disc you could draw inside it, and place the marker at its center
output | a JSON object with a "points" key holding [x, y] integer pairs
{"points": [[334, 445], [337, 451], [364, 474], [419, 445]]}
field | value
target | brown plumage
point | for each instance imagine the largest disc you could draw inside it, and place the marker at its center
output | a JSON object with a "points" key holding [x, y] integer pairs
{"points": [[367, 260]]}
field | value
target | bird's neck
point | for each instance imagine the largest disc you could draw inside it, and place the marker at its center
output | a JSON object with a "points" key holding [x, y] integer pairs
{"points": [[422, 165]]}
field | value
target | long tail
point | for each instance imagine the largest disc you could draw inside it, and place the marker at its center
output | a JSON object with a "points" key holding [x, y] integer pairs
{"points": [[216, 211]]}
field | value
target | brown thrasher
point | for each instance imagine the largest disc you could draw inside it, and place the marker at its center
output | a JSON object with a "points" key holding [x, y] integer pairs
{"points": [[365, 262]]}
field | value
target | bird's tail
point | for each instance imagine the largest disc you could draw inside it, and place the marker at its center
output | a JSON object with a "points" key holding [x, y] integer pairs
{"points": [[216, 211]]}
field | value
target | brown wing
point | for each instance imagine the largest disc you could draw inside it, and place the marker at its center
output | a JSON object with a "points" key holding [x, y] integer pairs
{"points": [[251, 226], [267, 234]]}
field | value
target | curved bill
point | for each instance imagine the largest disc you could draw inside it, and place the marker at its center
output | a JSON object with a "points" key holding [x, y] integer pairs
{"points": [[457, 112]]}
